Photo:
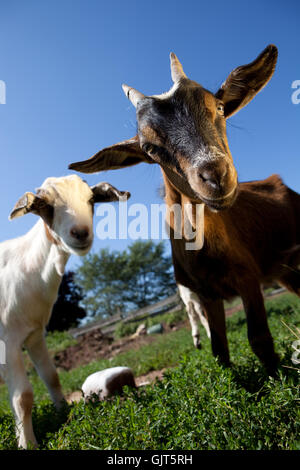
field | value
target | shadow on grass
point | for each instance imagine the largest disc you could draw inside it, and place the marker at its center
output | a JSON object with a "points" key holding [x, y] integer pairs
{"points": [[48, 420], [254, 377]]}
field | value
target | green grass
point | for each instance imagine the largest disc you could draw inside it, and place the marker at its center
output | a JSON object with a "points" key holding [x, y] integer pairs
{"points": [[199, 404], [58, 341], [168, 318]]}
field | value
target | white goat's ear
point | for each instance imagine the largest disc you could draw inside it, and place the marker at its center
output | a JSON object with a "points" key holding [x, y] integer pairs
{"points": [[105, 192], [30, 202]]}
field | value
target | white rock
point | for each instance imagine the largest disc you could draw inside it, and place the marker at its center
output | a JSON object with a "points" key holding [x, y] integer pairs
{"points": [[141, 330], [107, 382]]}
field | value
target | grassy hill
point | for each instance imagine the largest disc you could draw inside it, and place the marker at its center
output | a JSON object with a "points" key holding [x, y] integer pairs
{"points": [[198, 405]]}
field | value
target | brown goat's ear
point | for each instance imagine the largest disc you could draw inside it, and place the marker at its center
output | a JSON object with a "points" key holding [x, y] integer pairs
{"points": [[246, 81], [30, 202], [120, 155], [105, 192]]}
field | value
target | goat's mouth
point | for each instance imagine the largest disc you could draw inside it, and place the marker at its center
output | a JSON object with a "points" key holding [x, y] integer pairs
{"points": [[221, 203], [80, 249]]}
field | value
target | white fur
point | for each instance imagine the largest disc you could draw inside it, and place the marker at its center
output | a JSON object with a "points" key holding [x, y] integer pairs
{"points": [[31, 268], [195, 313], [98, 383]]}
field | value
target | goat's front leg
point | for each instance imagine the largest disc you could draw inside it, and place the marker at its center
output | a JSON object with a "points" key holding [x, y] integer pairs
{"points": [[21, 396], [37, 349], [259, 334], [216, 319]]}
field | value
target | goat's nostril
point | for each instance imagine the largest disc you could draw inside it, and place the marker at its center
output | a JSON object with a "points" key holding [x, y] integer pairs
{"points": [[80, 233], [210, 179]]}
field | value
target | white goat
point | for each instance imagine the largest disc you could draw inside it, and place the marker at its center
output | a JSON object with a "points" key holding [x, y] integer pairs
{"points": [[31, 268], [195, 313]]}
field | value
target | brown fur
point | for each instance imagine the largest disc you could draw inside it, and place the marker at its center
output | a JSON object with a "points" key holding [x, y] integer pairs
{"points": [[49, 235], [116, 384], [256, 241]]}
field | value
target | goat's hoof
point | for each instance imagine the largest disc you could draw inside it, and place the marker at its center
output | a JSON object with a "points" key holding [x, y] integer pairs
{"points": [[224, 362], [28, 445], [272, 365]]}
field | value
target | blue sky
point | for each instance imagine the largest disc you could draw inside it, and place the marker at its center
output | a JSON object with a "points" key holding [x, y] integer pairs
{"points": [[64, 61]]}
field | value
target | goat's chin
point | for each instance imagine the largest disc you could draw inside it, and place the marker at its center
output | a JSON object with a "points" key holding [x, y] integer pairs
{"points": [[219, 204], [78, 250], [81, 251]]}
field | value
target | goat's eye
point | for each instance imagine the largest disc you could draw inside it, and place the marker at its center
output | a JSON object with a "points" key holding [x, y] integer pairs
{"points": [[220, 109], [151, 149], [148, 148]]}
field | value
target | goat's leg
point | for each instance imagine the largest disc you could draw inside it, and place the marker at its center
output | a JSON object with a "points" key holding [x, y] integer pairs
{"points": [[216, 319], [194, 324], [186, 296], [202, 317], [259, 334], [38, 352], [21, 396]]}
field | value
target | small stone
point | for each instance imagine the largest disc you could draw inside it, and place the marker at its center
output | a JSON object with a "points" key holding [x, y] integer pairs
{"points": [[107, 382]]}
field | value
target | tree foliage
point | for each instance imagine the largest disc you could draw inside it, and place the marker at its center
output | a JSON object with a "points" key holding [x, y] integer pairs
{"points": [[67, 312], [125, 280]]}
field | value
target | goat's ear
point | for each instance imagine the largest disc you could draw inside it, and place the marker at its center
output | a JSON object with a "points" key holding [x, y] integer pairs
{"points": [[105, 192], [120, 155], [30, 202], [246, 81]]}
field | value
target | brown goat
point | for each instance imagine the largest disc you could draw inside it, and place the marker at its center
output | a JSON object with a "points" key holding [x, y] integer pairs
{"points": [[256, 241], [256, 238]]}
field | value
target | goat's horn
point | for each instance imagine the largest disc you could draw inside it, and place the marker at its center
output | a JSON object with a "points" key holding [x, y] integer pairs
{"points": [[133, 95], [176, 68]]}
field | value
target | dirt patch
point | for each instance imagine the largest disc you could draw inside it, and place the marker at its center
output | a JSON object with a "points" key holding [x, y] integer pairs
{"points": [[150, 377], [94, 345]]}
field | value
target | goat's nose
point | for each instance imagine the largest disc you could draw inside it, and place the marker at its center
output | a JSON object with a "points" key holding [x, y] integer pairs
{"points": [[211, 179], [80, 233], [213, 176]]}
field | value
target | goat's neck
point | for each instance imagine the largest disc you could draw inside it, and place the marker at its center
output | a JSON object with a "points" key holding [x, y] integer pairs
{"points": [[192, 212], [44, 255], [211, 227]]}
